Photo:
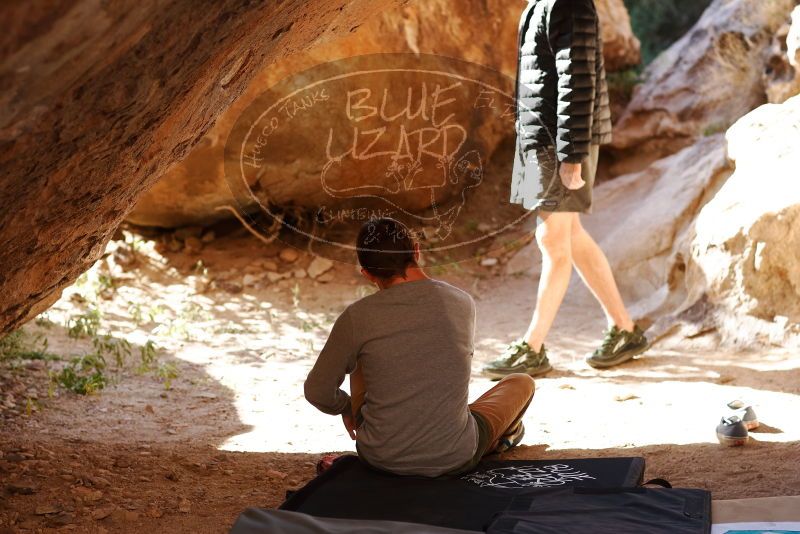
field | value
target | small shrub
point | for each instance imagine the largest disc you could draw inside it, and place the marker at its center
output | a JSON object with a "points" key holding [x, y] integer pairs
{"points": [[148, 356], [11, 344], [120, 349], [23, 346], [167, 372], [85, 325], [44, 321], [83, 375]]}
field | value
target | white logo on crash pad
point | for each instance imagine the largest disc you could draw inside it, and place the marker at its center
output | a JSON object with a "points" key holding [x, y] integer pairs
{"points": [[547, 476]]}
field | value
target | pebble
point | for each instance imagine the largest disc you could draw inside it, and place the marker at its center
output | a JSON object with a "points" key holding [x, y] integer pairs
{"points": [[489, 262], [276, 277], [185, 506], [46, 509], [319, 266], [300, 273], [229, 286], [289, 255], [269, 265], [250, 280], [272, 473]]}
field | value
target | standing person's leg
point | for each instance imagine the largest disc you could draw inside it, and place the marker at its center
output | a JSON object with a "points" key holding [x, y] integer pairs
{"points": [[528, 355], [623, 340], [502, 407], [553, 237], [592, 265]]}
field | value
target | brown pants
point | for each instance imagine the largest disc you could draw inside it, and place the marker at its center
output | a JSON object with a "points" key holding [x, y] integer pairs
{"points": [[496, 411], [502, 407]]}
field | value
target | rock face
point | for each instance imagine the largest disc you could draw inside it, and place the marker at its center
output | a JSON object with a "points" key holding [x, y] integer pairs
{"points": [[192, 191], [643, 217], [98, 99], [710, 235], [621, 48], [702, 84], [783, 67], [743, 257]]}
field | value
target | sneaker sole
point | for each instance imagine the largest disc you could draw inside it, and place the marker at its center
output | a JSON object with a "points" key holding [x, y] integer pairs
{"points": [[729, 441], [499, 375], [623, 358]]}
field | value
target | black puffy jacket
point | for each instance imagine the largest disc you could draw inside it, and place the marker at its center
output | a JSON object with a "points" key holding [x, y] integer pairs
{"points": [[562, 95]]}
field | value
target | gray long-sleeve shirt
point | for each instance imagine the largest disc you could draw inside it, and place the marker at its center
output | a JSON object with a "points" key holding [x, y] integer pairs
{"points": [[414, 342]]}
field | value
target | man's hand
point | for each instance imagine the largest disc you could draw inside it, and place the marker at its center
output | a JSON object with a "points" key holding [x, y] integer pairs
{"points": [[571, 176], [349, 424]]}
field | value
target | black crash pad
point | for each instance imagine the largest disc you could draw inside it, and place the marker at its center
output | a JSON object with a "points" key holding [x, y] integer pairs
{"points": [[352, 490]]}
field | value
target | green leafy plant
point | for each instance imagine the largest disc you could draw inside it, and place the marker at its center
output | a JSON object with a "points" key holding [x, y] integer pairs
{"points": [[83, 375], [106, 284], [11, 344], [84, 325], [44, 321], [232, 328], [167, 372], [120, 349], [21, 345], [148, 356]]}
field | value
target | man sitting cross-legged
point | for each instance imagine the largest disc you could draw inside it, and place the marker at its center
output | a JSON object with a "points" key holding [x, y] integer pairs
{"points": [[408, 349]]}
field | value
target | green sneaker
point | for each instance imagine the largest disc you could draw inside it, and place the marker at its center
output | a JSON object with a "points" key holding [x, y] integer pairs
{"points": [[618, 347], [519, 357]]}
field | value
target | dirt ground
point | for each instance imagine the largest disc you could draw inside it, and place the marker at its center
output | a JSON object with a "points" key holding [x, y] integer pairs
{"points": [[232, 430]]}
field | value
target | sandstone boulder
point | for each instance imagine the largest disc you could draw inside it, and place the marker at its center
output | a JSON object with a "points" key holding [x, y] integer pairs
{"points": [[480, 32], [702, 84], [707, 239], [743, 256], [98, 99], [783, 67], [642, 218], [621, 48]]}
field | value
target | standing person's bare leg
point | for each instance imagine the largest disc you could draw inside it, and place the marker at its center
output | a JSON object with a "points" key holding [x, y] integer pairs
{"points": [[529, 355], [623, 339], [553, 237], [592, 264]]}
